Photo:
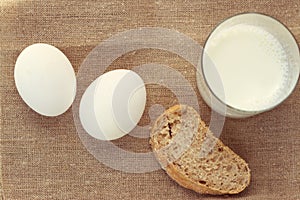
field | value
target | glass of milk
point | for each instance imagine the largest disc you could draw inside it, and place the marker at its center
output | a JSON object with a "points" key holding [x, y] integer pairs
{"points": [[250, 64]]}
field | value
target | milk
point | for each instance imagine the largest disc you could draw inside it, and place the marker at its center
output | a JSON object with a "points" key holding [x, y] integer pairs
{"points": [[252, 65]]}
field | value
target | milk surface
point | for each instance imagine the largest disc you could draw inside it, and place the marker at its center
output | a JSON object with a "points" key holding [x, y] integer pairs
{"points": [[252, 65]]}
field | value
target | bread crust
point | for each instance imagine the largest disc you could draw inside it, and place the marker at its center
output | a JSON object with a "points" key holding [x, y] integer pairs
{"points": [[189, 184], [185, 181]]}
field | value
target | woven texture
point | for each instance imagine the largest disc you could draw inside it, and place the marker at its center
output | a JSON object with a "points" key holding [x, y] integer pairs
{"points": [[43, 158]]}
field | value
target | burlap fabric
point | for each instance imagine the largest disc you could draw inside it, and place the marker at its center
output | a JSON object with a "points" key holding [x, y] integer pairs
{"points": [[43, 158]]}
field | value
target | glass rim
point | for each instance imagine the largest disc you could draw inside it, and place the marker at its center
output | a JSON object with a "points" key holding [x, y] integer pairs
{"points": [[256, 111]]}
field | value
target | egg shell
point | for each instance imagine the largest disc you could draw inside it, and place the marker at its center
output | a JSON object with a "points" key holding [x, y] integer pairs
{"points": [[45, 79], [113, 104]]}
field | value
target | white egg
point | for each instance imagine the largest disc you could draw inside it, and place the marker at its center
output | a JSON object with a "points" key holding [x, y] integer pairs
{"points": [[113, 104], [45, 79]]}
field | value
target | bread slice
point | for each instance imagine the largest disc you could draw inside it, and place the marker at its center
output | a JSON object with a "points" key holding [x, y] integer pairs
{"points": [[192, 156]]}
